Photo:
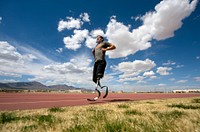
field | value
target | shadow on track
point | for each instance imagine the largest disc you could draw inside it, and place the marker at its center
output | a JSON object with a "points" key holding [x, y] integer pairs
{"points": [[118, 100], [110, 100]]}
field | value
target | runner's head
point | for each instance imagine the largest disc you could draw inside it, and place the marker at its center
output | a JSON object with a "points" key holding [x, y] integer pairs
{"points": [[100, 39]]}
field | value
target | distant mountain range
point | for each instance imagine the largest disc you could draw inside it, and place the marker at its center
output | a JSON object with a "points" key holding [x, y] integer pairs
{"points": [[37, 86]]}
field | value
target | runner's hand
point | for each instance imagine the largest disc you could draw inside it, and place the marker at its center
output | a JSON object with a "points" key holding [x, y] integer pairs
{"points": [[104, 49]]}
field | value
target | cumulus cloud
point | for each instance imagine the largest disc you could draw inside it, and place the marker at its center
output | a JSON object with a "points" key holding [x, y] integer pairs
{"points": [[130, 70], [69, 24], [159, 24], [8, 52], [167, 17], [126, 42], [0, 19], [85, 17], [90, 42], [74, 42], [164, 70], [95, 33], [149, 73], [15, 64], [77, 71], [76, 66]]}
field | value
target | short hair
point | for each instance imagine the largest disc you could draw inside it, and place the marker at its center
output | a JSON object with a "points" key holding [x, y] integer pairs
{"points": [[100, 37]]}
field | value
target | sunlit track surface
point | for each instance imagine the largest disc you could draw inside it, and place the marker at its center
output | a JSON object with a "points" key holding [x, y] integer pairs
{"points": [[23, 101]]}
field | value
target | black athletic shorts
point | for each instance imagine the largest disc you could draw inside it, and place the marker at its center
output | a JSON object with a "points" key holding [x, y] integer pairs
{"points": [[98, 70]]}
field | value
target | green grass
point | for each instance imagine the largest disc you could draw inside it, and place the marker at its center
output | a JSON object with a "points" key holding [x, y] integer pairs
{"points": [[29, 128], [141, 116], [132, 112], [125, 106], [56, 109], [167, 119], [149, 102], [45, 119], [78, 126], [8, 117], [183, 106], [117, 126], [196, 100]]}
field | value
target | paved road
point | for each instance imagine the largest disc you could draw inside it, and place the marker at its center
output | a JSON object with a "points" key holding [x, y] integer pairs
{"points": [[22, 101]]}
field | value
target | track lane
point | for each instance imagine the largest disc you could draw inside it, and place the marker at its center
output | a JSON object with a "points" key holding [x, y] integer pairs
{"points": [[24, 101]]}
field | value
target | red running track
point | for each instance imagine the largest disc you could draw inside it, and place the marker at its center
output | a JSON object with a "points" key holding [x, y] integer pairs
{"points": [[23, 101]]}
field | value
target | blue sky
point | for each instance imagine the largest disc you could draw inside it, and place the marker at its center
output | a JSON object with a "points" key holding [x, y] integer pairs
{"points": [[158, 43]]}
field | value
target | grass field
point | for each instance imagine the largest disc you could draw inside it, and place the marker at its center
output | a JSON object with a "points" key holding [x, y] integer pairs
{"points": [[166, 115]]}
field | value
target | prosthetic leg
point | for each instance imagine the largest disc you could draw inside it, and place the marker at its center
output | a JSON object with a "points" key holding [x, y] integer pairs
{"points": [[98, 86]]}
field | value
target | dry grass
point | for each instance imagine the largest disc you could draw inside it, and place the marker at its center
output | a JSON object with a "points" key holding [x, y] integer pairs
{"points": [[153, 116]]}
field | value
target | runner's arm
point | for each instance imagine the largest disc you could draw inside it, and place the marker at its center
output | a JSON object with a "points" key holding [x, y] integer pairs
{"points": [[93, 52], [111, 47]]}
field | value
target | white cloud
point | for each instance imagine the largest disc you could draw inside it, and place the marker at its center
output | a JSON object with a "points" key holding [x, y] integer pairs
{"points": [[179, 66], [138, 79], [77, 71], [152, 77], [8, 81], [69, 24], [8, 52], [197, 79], [161, 84], [136, 18], [15, 64], [9, 74], [31, 54], [126, 42], [77, 66], [129, 70], [159, 24], [182, 81], [172, 79], [85, 17], [169, 62], [1, 19], [95, 33], [74, 42], [164, 70], [198, 57], [137, 65], [59, 50], [167, 17], [90, 42], [150, 73]]}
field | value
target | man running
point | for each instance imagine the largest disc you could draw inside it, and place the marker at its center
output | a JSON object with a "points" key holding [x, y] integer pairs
{"points": [[99, 56]]}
